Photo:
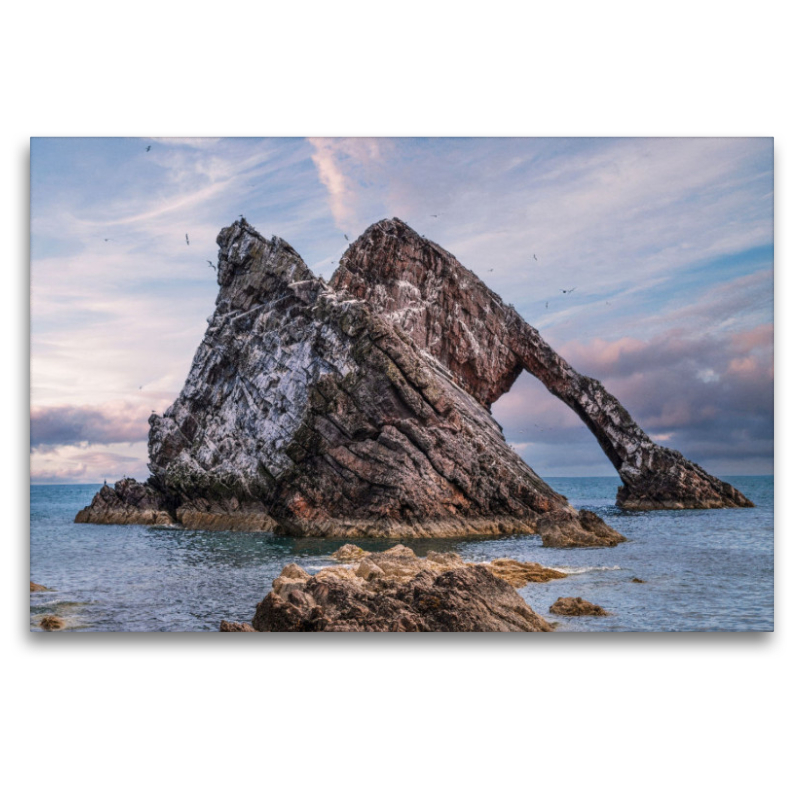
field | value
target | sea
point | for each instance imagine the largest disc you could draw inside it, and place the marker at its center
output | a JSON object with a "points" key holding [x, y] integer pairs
{"points": [[704, 570]]}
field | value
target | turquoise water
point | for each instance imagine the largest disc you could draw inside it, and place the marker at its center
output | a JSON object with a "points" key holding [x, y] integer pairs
{"points": [[708, 570]]}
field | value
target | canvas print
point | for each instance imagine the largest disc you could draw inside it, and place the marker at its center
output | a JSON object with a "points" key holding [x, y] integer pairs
{"points": [[401, 385]]}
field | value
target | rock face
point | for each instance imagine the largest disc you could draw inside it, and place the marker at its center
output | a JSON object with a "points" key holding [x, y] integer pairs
{"points": [[128, 503], [485, 344], [577, 607], [396, 591], [306, 412], [362, 408]]}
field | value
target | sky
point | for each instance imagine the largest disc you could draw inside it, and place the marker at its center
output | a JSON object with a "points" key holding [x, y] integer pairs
{"points": [[665, 246]]}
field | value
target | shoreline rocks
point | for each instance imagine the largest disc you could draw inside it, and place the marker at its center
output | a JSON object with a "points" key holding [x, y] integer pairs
{"points": [[37, 587], [51, 622]]}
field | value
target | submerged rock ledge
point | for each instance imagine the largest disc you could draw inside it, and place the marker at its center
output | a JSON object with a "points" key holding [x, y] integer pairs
{"points": [[362, 408]]}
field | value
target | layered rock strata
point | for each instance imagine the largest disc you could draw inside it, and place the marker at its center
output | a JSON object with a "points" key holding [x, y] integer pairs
{"points": [[396, 591], [306, 412], [448, 312]]}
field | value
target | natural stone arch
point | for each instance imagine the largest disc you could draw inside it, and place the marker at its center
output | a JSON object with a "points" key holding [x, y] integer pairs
{"points": [[485, 344]]}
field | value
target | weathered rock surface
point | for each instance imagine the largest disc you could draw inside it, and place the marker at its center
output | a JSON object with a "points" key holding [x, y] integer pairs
{"points": [[577, 607], [396, 591], [37, 587], [236, 627], [306, 412], [485, 344], [127, 503], [520, 573], [51, 622]]}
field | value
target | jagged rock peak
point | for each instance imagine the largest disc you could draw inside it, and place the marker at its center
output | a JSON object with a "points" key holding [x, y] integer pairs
{"points": [[306, 412], [249, 263]]}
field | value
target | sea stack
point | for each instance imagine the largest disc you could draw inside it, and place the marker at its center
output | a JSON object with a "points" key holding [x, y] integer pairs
{"points": [[361, 408]]}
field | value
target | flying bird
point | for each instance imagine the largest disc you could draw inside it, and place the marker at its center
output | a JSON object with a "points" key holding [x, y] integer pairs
{"points": [[534, 257], [345, 238], [547, 304], [491, 270], [187, 238], [567, 291], [434, 215], [106, 240], [147, 149], [210, 264]]}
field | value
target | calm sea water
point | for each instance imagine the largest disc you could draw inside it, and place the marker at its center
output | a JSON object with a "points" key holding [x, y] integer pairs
{"points": [[703, 570]]}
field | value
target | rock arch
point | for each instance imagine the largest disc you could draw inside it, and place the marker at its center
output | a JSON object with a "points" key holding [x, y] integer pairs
{"points": [[451, 315]]}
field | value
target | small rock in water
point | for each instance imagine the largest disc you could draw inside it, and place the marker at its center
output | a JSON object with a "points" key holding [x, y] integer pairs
{"points": [[37, 587], [236, 627], [51, 622], [637, 580], [577, 607]]}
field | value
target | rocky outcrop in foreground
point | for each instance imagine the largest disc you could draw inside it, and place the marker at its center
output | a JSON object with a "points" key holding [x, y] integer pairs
{"points": [[306, 412], [396, 591], [485, 344], [577, 607], [37, 587]]}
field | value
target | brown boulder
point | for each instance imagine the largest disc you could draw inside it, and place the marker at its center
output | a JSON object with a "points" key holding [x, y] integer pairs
{"points": [[396, 591], [519, 573], [51, 622], [37, 587], [236, 627], [577, 607]]}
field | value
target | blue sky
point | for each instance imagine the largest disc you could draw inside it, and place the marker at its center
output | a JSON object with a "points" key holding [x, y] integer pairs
{"points": [[668, 244]]}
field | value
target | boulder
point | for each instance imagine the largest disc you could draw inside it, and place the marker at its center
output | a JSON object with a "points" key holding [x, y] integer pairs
{"points": [[396, 591], [236, 627], [37, 587], [51, 622], [577, 607]]}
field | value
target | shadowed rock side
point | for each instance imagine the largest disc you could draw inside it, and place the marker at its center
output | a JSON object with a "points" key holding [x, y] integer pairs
{"points": [[307, 413], [396, 591], [485, 344]]}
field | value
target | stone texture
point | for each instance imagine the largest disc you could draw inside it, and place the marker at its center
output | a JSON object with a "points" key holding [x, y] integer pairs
{"points": [[127, 503], [396, 591], [236, 627], [51, 622], [577, 607], [519, 573], [306, 412], [485, 344]]}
